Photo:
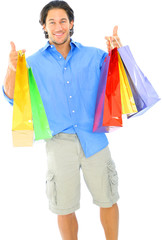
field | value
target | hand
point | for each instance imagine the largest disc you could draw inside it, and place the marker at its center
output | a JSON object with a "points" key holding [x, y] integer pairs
{"points": [[113, 41], [13, 57]]}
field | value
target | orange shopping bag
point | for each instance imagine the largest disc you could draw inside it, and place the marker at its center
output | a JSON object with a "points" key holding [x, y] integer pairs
{"points": [[22, 124]]}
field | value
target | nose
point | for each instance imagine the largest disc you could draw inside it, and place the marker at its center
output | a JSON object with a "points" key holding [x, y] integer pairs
{"points": [[58, 27]]}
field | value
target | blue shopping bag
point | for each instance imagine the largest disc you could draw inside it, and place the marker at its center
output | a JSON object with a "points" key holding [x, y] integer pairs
{"points": [[144, 94]]}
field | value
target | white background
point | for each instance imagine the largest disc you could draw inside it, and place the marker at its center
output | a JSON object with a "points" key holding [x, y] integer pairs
{"points": [[136, 148]]}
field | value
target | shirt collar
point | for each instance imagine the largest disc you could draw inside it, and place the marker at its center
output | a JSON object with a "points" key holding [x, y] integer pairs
{"points": [[45, 47], [75, 44], [72, 44]]}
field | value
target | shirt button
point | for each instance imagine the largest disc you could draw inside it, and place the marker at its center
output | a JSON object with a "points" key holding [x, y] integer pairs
{"points": [[75, 125], [70, 96], [73, 111], [65, 68], [67, 82], [60, 57]]}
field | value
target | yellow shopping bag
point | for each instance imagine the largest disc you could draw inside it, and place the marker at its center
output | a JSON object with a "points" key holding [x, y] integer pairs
{"points": [[22, 124], [127, 100]]}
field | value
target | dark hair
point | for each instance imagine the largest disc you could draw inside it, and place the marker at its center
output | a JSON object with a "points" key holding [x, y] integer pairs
{"points": [[59, 5]]}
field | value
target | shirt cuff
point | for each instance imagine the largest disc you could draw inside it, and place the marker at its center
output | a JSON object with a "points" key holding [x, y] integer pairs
{"points": [[7, 98]]}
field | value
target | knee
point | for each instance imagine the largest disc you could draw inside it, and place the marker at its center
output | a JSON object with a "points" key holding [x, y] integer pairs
{"points": [[114, 206], [64, 218]]}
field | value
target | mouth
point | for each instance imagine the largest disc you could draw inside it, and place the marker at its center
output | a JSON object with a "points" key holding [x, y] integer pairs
{"points": [[59, 34]]}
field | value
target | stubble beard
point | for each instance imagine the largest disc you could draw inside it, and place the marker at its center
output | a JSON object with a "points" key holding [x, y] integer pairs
{"points": [[60, 43]]}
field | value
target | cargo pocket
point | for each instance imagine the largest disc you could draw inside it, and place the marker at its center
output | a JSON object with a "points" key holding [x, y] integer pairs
{"points": [[114, 184], [51, 188], [113, 177]]}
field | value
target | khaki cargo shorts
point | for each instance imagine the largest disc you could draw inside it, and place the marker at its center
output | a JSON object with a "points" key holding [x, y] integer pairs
{"points": [[65, 158]]}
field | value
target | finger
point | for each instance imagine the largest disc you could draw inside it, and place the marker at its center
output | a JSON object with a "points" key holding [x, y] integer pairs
{"points": [[108, 42], [117, 41], [111, 42], [13, 54], [115, 31], [107, 38], [23, 50], [13, 47], [109, 45]]}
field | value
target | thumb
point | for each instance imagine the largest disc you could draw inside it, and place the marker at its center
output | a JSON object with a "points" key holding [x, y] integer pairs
{"points": [[13, 47], [115, 31]]}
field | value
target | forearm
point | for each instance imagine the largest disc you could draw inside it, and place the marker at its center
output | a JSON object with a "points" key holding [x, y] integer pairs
{"points": [[9, 83]]}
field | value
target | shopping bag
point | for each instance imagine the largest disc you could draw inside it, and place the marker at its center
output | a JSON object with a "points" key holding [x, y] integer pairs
{"points": [[144, 94], [112, 115], [98, 119], [137, 93], [22, 124], [127, 99], [40, 121], [126, 105]]}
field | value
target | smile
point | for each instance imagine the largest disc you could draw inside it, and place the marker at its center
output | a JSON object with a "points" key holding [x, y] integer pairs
{"points": [[59, 34]]}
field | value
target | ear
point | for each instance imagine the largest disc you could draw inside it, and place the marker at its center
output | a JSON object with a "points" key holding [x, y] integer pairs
{"points": [[44, 27], [71, 24]]}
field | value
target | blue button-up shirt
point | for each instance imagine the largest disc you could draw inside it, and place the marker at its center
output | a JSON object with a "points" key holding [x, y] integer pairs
{"points": [[69, 89]]}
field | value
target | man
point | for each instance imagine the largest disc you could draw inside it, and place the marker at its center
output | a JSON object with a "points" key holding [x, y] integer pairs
{"points": [[67, 75]]}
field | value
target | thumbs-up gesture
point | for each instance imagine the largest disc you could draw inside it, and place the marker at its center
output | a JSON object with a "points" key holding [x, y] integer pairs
{"points": [[13, 57], [113, 41]]}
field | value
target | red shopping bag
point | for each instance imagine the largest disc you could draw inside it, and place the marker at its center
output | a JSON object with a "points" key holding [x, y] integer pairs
{"points": [[112, 115]]}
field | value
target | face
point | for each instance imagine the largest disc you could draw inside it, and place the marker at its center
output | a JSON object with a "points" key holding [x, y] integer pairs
{"points": [[58, 26]]}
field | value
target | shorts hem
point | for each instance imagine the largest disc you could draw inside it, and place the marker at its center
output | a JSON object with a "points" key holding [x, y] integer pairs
{"points": [[63, 211], [107, 204]]}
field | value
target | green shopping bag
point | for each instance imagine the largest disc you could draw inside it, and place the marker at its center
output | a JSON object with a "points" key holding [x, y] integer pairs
{"points": [[40, 121]]}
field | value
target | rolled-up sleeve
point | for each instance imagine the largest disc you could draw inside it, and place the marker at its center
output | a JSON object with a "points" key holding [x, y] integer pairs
{"points": [[6, 97]]}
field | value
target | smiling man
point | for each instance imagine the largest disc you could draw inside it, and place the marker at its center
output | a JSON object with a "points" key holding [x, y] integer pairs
{"points": [[58, 27], [67, 75]]}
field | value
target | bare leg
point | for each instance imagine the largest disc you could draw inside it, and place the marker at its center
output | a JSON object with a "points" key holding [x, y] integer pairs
{"points": [[110, 221], [68, 226]]}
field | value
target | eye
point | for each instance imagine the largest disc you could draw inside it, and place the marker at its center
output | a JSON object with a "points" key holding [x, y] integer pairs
{"points": [[63, 21]]}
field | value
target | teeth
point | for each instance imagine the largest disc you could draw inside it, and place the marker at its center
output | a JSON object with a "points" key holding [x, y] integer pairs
{"points": [[59, 34]]}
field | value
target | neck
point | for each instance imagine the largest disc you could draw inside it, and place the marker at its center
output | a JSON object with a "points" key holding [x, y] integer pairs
{"points": [[63, 48]]}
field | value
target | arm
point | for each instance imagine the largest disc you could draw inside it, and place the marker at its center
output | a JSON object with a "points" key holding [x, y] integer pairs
{"points": [[9, 82]]}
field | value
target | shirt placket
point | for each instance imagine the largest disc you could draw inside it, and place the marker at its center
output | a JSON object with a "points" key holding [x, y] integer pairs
{"points": [[70, 94]]}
